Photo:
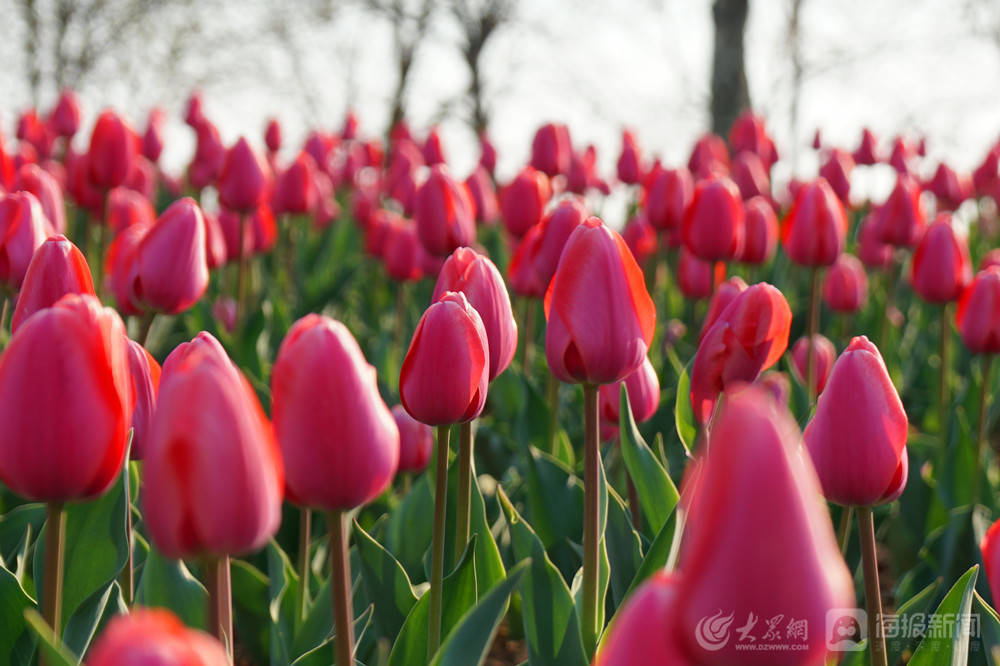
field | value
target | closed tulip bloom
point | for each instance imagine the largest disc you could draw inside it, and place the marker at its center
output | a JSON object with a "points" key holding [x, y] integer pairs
{"points": [[748, 337], [640, 236], [871, 250], [243, 181], [721, 298], [350, 129], [759, 540], [709, 157], [949, 188], [749, 134], [714, 223], [23, 227], [78, 184], [990, 549], [170, 270], [777, 385], [694, 276], [216, 251], [642, 631], [901, 219], [145, 378], [65, 117], [524, 277], [845, 286], [824, 354], [295, 189], [152, 138], [814, 230], [761, 239], [900, 155], [978, 314], [71, 356], [857, 436], [447, 368], [941, 264], [119, 267], [433, 149], [867, 151], [127, 208], [523, 200], [481, 189], [338, 439], [600, 316], [750, 176], [475, 276], [630, 169], [984, 176], [554, 230], [209, 156], [444, 213], [112, 150], [487, 153], [213, 474], [668, 196], [415, 441], [194, 115], [643, 388], [154, 637], [402, 251], [33, 178], [836, 170], [56, 269], [272, 135], [550, 149]]}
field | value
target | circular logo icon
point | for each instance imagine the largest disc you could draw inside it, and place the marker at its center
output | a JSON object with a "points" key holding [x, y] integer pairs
{"points": [[712, 631]]}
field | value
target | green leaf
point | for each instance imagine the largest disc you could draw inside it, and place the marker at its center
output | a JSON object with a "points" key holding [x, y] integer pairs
{"points": [[323, 654], [282, 609], [988, 640], [657, 494], [386, 584], [603, 564], [55, 653], [920, 603], [15, 640], [489, 565], [555, 507], [13, 526], [687, 427], [624, 548], [551, 625], [250, 614], [83, 625], [408, 531], [662, 552], [166, 583], [953, 649], [474, 633]]}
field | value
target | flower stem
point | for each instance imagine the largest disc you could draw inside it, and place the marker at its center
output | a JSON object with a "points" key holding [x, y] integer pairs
{"points": [[437, 546], [305, 537], [145, 327], [220, 600], [943, 395], [340, 587], [813, 329], [55, 533], [553, 400], [241, 279], [128, 573], [528, 320], [873, 598], [844, 533], [591, 519], [983, 418], [464, 489]]}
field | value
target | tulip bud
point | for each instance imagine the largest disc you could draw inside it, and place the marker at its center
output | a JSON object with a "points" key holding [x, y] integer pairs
{"points": [[630, 168], [272, 135], [757, 526], [65, 117], [845, 286], [209, 156], [145, 375], [481, 189], [23, 228], [642, 631], [112, 150], [761, 239], [941, 264], [56, 269], [342, 451], [554, 230], [243, 181], [147, 636], [447, 367], [444, 213], [900, 219], [824, 354], [978, 314], [295, 191], [750, 176], [433, 150], [948, 187], [522, 201], [127, 208], [71, 356], [600, 316], [401, 250], [415, 441], [152, 138], [170, 272], [990, 548], [900, 155], [857, 437], [32, 178], [640, 237], [487, 153], [694, 276], [837, 172], [524, 278], [550, 149], [749, 336], [194, 116], [867, 151], [478, 279], [667, 197], [643, 389], [814, 230], [714, 225], [748, 134], [350, 129], [213, 475], [709, 157], [872, 251], [721, 298]]}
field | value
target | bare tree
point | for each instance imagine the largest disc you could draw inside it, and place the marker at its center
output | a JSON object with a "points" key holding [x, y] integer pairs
{"points": [[798, 73], [479, 20], [730, 92]]}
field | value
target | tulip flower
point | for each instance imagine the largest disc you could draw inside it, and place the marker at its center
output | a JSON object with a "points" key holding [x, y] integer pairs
{"points": [[949, 188], [824, 354], [642, 630], [871, 250], [750, 176], [640, 237], [23, 228], [748, 134], [836, 170], [152, 138], [65, 117], [845, 287], [990, 548], [272, 135], [127, 208], [900, 155], [415, 441], [112, 150], [867, 152], [555, 229], [900, 219], [667, 197], [550, 149], [777, 385], [480, 188], [32, 178], [401, 250], [758, 541], [57, 268], [694, 276], [209, 156], [154, 636], [709, 157], [432, 149], [643, 388], [524, 278], [444, 213], [295, 189], [243, 180], [713, 225], [941, 264], [814, 230], [749, 336], [522, 201], [761, 238], [630, 168], [991, 258], [720, 300]]}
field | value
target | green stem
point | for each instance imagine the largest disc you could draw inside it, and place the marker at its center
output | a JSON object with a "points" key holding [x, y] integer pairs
{"points": [[55, 533], [553, 400], [873, 598], [528, 319], [340, 588], [145, 327], [844, 533], [241, 280], [943, 395], [464, 489], [128, 573], [305, 537], [813, 328], [5, 312], [220, 600], [983, 418], [591, 518], [437, 546]]}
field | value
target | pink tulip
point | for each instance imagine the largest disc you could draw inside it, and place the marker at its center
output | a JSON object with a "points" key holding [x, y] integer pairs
{"points": [[845, 286], [56, 269], [824, 355], [23, 228]]}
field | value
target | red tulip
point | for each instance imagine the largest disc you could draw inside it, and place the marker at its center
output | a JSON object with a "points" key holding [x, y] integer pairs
{"points": [[630, 168], [152, 138], [714, 223], [32, 178], [56, 269], [402, 252], [814, 230], [750, 175], [194, 116], [985, 176], [70, 357], [433, 150], [295, 190], [65, 117], [643, 389], [845, 286], [582, 174], [749, 336], [34, 133], [550, 149], [694, 276], [23, 228], [642, 629], [748, 134], [523, 200], [78, 184], [761, 239], [872, 251], [709, 157], [721, 298], [553, 232], [941, 264], [272, 135], [320, 147], [481, 189], [640, 237], [243, 181], [948, 187], [149, 636], [837, 172], [112, 150], [900, 219], [857, 436], [991, 258], [127, 208], [777, 384], [759, 543], [338, 440], [478, 279], [524, 278], [867, 151], [350, 128], [667, 197], [145, 375], [213, 474], [900, 156], [487, 153], [209, 156], [444, 213], [990, 548], [415, 441], [216, 251], [978, 315], [447, 367], [600, 316], [824, 354]]}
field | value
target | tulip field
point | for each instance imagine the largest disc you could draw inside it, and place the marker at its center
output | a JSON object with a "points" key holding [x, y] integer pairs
{"points": [[335, 403]]}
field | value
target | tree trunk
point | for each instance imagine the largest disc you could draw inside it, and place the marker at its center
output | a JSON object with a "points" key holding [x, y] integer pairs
{"points": [[730, 93]]}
